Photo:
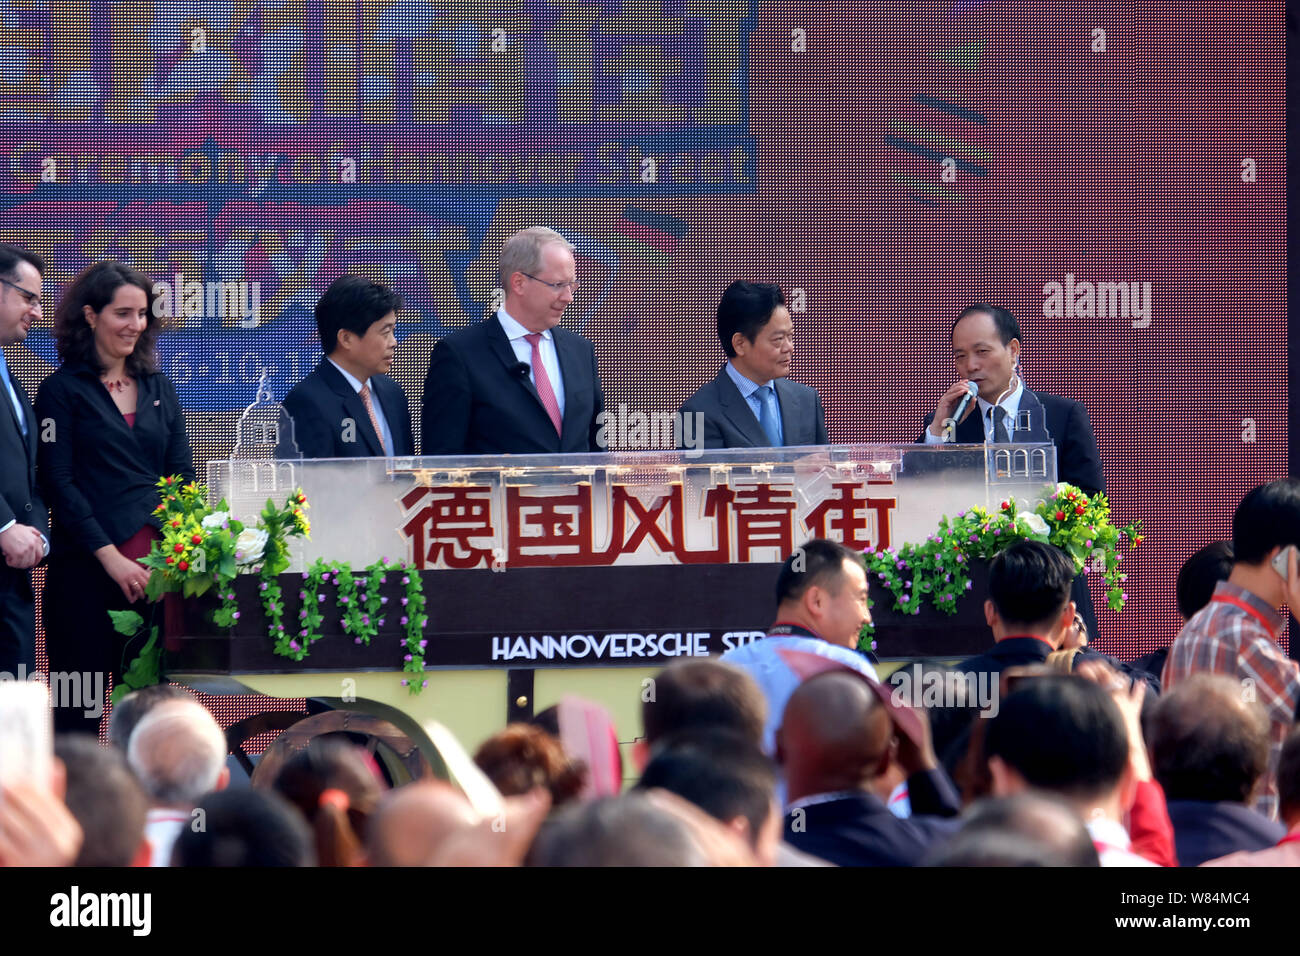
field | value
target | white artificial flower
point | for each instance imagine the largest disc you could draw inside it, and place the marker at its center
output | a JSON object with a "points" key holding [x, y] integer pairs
{"points": [[1034, 522], [250, 544], [214, 521]]}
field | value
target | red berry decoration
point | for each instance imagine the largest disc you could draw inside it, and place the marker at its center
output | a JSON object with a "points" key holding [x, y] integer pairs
{"points": [[1078, 509], [197, 538], [1060, 516], [178, 547], [184, 565], [1006, 506], [176, 524], [170, 559]]}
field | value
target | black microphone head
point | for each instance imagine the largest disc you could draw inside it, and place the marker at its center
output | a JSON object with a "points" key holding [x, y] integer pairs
{"points": [[521, 369]]}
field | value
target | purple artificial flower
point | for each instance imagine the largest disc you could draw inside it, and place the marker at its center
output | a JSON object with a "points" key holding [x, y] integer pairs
{"points": [[403, 620], [405, 682], [320, 598], [305, 575], [961, 514], [302, 595], [947, 577], [235, 616], [967, 585], [406, 580], [405, 601], [293, 645], [343, 599], [262, 586], [365, 619], [409, 658], [239, 555], [423, 644], [381, 622], [356, 640], [997, 531], [383, 560], [383, 600]]}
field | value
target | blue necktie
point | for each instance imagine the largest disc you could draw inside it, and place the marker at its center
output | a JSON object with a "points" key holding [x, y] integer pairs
{"points": [[771, 417], [13, 395]]}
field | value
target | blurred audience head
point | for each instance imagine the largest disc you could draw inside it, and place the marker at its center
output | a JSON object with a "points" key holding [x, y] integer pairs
{"points": [[690, 695], [1206, 741], [245, 828], [727, 776], [1029, 592], [106, 799], [1061, 734], [131, 709], [1027, 829], [630, 830], [1200, 574], [413, 822], [836, 735], [179, 753], [332, 786], [523, 757]]}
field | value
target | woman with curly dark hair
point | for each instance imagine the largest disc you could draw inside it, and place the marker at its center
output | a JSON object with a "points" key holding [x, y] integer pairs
{"points": [[111, 425]]}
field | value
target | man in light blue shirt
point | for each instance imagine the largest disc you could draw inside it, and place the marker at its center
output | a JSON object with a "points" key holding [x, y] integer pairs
{"points": [[821, 595]]}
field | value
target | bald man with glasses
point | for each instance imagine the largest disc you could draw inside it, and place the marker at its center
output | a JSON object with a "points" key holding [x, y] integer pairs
{"points": [[516, 383]]}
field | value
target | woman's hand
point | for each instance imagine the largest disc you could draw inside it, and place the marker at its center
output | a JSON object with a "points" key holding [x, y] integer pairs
{"points": [[131, 576]]}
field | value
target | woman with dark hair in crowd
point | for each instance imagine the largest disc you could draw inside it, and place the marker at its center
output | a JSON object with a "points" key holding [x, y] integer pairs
{"points": [[111, 426], [336, 790]]}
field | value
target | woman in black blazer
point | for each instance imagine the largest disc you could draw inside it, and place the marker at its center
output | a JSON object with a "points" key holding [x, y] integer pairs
{"points": [[111, 426]]}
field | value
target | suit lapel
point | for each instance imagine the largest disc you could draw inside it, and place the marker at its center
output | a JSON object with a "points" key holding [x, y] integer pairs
{"points": [[792, 413], [574, 375], [392, 404], [738, 411], [353, 405], [502, 349], [1037, 430]]}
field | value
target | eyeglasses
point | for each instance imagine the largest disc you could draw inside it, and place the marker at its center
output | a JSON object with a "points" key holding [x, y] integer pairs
{"points": [[31, 298], [557, 287]]}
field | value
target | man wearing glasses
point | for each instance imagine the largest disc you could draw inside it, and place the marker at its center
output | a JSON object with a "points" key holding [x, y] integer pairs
{"points": [[516, 383], [23, 518]]}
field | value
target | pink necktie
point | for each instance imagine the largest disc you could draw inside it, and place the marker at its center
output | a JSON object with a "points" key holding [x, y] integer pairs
{"points": [[543, 382], [370, 410]]}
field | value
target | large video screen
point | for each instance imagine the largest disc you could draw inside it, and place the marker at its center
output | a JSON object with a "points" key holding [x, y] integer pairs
{"points": [[1113, 173]]}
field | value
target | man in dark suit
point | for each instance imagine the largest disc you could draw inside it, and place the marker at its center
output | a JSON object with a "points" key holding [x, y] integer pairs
{"points": [[751, 403], [517, 383], [836, 749], [348, 407], [986, 344], [23, 518]]}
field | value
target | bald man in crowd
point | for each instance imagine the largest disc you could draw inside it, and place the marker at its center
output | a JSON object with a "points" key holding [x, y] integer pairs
{"points": [[835, 747]]}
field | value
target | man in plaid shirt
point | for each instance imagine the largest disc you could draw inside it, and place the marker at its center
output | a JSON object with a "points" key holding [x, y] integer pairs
{"points": [[1237, 632]]}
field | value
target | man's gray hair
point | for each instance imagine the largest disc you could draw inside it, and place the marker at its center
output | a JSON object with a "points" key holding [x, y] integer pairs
{"points": [[178, 751], [522, 252]]}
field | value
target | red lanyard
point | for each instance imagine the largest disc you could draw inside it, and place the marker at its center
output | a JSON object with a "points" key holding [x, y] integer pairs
{"points": [[1253, 612]]}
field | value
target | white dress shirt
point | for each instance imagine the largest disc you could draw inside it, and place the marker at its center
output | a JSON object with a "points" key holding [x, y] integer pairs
{"points": [[524, 352], [1010, 405]]}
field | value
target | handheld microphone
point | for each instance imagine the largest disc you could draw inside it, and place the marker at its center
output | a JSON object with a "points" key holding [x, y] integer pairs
{"points": [[972, 390], [520, 369]]}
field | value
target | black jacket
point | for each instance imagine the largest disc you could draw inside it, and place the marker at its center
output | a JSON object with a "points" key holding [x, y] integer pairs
{"points": [[323, 404], [1067, 424], [20, 497], [97, 472], [478, 401]]}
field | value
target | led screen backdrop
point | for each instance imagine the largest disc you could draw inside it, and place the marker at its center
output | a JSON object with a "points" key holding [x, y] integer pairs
{"points": [[1113, 173]]}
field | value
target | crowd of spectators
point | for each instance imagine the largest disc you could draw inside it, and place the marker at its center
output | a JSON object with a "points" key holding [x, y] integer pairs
{"points": [[791, 751]]}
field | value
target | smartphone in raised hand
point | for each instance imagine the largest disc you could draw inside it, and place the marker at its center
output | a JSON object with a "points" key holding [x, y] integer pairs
{"points": [[26, 733]]}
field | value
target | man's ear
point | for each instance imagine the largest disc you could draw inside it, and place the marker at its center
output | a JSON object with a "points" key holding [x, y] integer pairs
{"points": [[739, 825], [1066, 623], [739, 343], [990, 613], [223, 779]]}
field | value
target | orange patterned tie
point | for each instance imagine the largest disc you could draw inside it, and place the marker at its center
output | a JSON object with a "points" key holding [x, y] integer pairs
{"points": [[370, 410]]}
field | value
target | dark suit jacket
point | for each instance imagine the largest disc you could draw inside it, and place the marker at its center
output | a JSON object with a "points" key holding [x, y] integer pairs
{"points": [[21, 502], [97, 472], [477, 401], [20, 498], [859, 830], [1207, 830], [323, 402], [729, 422], [1067, 426]]}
